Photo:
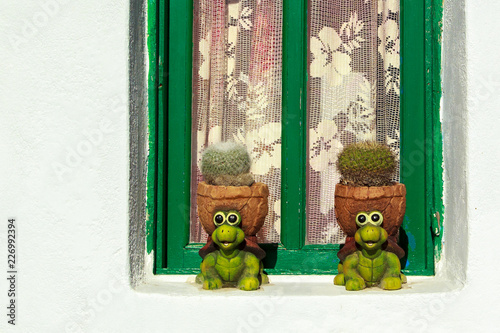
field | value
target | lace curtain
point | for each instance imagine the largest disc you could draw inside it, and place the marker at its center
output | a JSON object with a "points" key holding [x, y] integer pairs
{"points": [[237, 92], [353, 93]]}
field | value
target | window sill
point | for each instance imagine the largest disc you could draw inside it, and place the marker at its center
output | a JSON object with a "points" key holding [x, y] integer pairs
{"points": [[291, 286]]}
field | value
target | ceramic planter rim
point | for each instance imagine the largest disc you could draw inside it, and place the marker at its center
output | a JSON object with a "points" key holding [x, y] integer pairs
{"points": [[250, 201], [390, 199]]}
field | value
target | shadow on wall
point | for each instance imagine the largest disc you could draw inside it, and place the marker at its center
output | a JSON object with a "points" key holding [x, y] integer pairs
{"points": [[138, 140], [454, 127]]}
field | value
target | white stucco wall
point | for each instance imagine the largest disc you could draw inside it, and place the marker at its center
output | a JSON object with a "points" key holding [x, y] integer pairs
{"points": [[64, 176]]}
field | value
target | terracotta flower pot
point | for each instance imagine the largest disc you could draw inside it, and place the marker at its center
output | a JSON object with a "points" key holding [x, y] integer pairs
{"points": [[249, 201], [389, 200]]}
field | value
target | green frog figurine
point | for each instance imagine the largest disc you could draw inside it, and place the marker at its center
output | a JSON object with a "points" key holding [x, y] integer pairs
{"points": [[370, 265], [230, 264]]}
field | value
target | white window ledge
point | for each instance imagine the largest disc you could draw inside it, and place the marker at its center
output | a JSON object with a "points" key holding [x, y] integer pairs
{"points": [[291, 286]]}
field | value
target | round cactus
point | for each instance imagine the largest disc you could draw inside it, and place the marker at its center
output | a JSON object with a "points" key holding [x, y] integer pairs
{"points": [[367, 164], [226, 164]]}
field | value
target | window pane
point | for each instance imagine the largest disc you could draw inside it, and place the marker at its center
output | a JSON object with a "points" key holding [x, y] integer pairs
{"points": [[353, 95], [237, 93]]}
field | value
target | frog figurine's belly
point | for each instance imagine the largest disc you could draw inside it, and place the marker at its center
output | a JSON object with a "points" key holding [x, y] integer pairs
{"points": [[230, 269], [371, 270]]}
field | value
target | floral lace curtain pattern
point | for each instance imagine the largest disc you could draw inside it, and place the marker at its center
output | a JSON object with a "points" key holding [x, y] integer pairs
{"points": [[237, 93], [353, 95]]}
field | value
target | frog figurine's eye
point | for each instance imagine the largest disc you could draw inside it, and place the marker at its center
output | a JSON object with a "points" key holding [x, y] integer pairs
{"points": [[233, 218], [362, 219], [376, 217], [219, 218]]}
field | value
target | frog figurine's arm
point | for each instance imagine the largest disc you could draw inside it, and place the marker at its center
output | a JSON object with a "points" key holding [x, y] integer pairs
{"points": [[249, 276], [353, 280], [209, 276], [392, 278], [339, 278]]}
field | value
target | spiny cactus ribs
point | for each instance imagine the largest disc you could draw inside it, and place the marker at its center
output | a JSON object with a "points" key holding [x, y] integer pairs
{"points": [[366, 164], [226, 164]]}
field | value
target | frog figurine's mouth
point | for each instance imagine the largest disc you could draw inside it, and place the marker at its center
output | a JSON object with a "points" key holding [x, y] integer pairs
{"points": [[227, 240], [370, 237], [371, 243], [228, 237]]}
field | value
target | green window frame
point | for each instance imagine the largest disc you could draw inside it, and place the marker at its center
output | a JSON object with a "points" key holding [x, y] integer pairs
{"points": [[168, 203]]}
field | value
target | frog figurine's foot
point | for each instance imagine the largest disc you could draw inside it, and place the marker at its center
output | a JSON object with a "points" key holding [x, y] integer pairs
{"points": [[391, 283], [199, 278], [248, 283], [212, 283], [339, 280], [355, 284], [403, 278]]}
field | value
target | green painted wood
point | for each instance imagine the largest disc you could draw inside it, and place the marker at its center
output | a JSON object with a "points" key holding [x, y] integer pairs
{"points": [[319, 259], [420, 137], [293, 153], [179, 129], [152, 44], [160, 260], [415, 232], [434, 25]]}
